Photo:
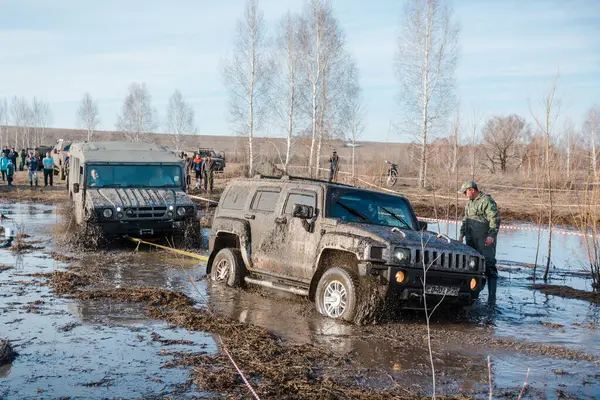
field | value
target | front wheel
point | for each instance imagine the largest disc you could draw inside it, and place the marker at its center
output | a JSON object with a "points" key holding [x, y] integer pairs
{"points": [[228, 268], [337, 294]]}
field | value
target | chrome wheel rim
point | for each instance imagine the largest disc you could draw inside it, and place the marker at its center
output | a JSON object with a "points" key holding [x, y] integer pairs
{"points": [[335, 299], [222, 271]]}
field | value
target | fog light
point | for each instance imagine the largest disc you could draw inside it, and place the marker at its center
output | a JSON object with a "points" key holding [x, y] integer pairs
{"points": [[400, 276], [129, 212], [170, 214], [171, 208], [118, 209], [473, 283], [120, 215]]}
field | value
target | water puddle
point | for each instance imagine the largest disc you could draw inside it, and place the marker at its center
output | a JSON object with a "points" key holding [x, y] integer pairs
{"points": [[99, 349]]}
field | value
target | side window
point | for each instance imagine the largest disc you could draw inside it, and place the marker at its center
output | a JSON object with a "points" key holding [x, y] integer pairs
{"points": [[297, 198], [265, 201], [236, 198]]}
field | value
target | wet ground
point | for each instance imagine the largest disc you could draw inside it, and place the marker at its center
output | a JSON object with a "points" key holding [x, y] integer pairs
{"points": [[108, 349]]}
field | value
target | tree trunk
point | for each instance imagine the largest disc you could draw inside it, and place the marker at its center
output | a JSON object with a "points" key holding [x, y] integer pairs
{"points": [[549, 178], [594, 155], [424, 110], [353, 164]]}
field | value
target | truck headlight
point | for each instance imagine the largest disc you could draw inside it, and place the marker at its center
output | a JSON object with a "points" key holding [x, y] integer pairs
{"points": [[181, 211], [107, 213], [402, 254], [473, 261]]}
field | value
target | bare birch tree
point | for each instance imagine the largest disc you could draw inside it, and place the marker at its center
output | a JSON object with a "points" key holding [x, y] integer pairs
{"points": [[474, 127], [426, 63], [355, 116], [20, 113], [551, 105], [287, 88], [87, 116], [180, 120], [246, 74], [138, 118], [591, 129], [40, 120]]}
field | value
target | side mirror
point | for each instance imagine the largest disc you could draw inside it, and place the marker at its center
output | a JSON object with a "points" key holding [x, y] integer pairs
{"points": [[76, 188], [422, 225], [303, 211]]}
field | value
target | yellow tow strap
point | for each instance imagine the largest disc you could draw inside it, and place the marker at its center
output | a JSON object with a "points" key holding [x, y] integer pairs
{"points": [[182, 252]]}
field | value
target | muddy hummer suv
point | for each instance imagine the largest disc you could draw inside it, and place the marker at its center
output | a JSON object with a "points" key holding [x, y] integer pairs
{"points": [[337, 245], [129, 188]]}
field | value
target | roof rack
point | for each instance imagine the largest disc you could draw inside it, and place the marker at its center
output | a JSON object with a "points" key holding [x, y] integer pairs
{"points": [[299, 178]]}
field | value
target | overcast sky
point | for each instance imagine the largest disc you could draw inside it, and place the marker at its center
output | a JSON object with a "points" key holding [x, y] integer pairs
{"points": [[510, 50]]}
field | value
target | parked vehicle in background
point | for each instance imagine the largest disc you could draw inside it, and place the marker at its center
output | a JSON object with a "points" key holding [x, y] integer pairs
{"points": [[130, 189], [339, 245], [60, 153], [218, 159]]}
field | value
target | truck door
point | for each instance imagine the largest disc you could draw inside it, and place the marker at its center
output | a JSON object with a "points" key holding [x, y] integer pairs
{"points": [[264, 238], [301, 244]]}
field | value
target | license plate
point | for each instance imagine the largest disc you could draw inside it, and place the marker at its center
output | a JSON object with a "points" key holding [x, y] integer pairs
{"points": [[441, 290], [146, 231]]}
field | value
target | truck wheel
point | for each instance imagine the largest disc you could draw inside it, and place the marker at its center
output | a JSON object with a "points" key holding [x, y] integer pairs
{"points": [[228, 268], [337, 294]]}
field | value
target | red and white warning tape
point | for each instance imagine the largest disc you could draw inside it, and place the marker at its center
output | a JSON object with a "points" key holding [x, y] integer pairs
{"points": [[513, 228]]}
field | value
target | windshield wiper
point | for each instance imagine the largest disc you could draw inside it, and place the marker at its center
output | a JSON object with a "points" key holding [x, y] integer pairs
{"points": [[397, 217], [354, 212]]}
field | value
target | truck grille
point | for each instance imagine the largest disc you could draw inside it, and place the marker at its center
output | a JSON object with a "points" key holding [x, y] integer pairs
{"points": [[148, 212], [443, 260]]}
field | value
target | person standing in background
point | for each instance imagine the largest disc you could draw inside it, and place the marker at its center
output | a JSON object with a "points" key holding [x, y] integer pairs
{"points": [[48, 162]]}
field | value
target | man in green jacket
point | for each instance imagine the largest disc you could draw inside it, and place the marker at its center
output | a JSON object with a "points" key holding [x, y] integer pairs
{"points": [[480, 227]]}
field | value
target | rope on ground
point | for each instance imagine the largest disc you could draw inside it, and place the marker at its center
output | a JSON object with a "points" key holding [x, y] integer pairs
{"points": [[203, 258], [512, 228], [171, 249], [239, 370], [203, 199]]}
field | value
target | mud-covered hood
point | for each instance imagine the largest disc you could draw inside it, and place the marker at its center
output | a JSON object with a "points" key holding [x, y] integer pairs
{"points": [[137, 197], [389, 236]]}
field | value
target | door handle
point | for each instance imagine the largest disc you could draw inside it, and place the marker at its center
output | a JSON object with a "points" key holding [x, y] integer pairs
{"points": [[281, 220], [249, 216]]}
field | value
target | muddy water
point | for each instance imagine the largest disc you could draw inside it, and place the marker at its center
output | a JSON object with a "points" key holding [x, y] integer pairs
{"points": [[82, 349], [99, 349]]}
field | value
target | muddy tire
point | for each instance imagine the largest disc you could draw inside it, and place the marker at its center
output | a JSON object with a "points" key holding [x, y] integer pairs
{"points": [[228, 268], [337, 294]]}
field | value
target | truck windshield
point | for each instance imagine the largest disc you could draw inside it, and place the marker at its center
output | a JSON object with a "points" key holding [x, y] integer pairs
{"points": [[370, 208], [133, 176], [206, 153]]}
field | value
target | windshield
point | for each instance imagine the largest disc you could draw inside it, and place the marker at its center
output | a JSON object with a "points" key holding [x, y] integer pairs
{"points": [[371, 208], [206, 153], [133, 176]]}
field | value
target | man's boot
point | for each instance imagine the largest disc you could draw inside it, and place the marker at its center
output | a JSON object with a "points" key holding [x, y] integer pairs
{"points": [[492, 283]]}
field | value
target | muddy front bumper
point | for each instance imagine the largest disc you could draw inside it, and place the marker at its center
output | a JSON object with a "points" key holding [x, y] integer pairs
{"points": [[143, 228], [406, 284]]}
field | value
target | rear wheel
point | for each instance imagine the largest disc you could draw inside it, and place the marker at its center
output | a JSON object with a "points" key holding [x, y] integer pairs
{"points": [[228, 268], [392, 178]]}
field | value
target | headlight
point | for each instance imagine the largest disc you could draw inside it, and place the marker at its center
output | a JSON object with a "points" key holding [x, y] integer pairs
{"points": [[171, 208], [170, 214], [129, 212], [473, 261], [402, 254], [107, 213], [120, 215], [181, 211], [118, 209]]}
